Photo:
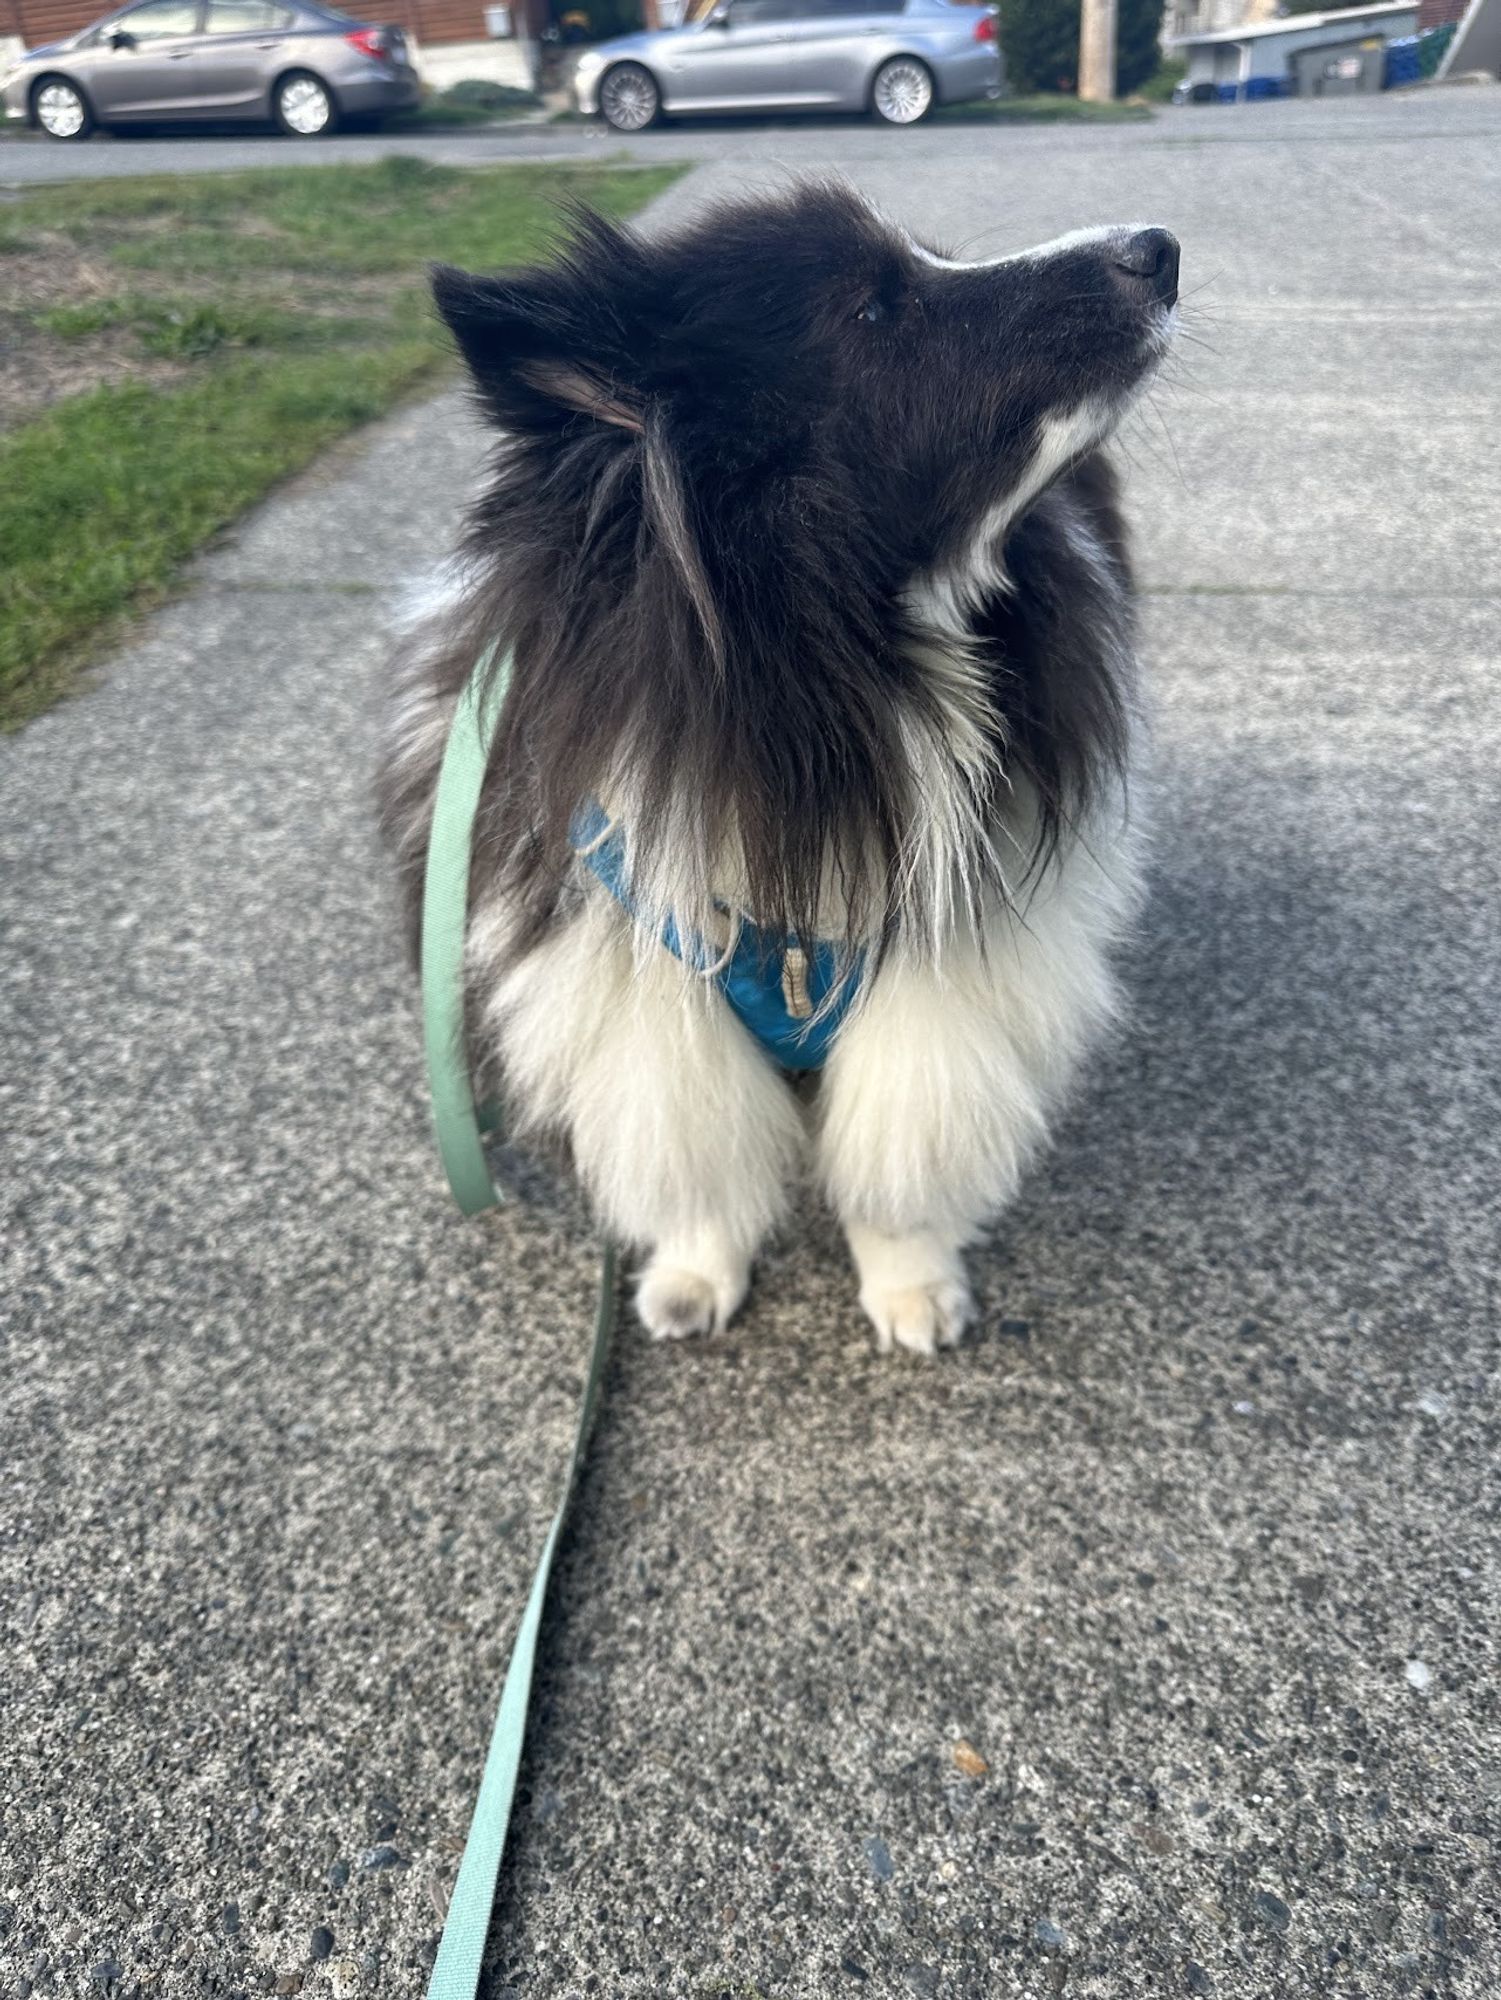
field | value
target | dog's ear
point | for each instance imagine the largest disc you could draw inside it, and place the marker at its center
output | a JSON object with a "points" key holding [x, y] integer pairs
{"points": [[552, 344]]}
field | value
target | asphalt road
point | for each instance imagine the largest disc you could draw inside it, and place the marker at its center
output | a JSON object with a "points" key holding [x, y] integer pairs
{"points": [[1194, 1546], [1418, 117]]}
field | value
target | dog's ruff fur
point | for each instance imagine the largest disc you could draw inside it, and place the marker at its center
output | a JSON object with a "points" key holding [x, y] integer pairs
{"points": [[814, 575]]}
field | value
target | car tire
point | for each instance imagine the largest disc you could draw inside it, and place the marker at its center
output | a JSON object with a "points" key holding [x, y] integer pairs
{"points": [[304, 106], [902, 91], [60, 108], [629, 100]]}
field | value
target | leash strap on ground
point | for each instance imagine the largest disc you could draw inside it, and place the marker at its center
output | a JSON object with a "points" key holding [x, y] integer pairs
{"points": [[445, 918], [461, 1950], [445, 912]]}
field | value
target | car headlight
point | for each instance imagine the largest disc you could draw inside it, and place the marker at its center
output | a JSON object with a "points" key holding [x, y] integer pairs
{"points": [[591, 59]]}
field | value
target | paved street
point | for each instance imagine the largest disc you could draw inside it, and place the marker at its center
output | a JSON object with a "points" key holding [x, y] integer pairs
{"points": [[1416, 119], [1194, 1547]]}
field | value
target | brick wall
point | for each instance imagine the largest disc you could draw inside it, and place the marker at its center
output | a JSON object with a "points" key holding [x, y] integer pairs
{"points": [[1434, 13], [38, 21]]}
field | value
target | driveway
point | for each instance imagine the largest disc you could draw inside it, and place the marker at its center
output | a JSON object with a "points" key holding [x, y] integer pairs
{"points": [[1145, 1647]]}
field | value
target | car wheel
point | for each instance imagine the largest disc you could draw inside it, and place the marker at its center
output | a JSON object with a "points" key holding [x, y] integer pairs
{"points": [[61, 109], [629, 98], [903, 91], [304, 106]]}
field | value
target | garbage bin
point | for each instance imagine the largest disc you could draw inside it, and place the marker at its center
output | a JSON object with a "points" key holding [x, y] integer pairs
{"points": [[1340, 69]]}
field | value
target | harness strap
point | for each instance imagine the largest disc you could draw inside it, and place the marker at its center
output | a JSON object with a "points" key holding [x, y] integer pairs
{"points": [[793, 998], [445, 911]]}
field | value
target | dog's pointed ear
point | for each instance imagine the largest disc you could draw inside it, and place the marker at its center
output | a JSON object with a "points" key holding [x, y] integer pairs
{"points": [[540, 349]]}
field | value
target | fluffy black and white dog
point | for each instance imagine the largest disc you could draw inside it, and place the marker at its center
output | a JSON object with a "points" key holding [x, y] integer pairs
{"points": [[819, 601]]}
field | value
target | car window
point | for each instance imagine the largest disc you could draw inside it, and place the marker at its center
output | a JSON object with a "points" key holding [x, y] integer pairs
{"points": [[156, 19], [245, 17]]}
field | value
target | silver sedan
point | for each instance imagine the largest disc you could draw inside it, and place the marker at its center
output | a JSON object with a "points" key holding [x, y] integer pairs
{"points": [[298, 63], [894, 58]]}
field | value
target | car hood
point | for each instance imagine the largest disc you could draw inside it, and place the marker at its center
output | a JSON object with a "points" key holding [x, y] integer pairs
{"points": [[641, 44]]}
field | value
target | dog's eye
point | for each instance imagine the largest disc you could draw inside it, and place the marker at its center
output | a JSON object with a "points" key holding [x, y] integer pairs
{"points": [[873, 309]]}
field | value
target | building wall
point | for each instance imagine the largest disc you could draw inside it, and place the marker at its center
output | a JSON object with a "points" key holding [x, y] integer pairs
{"points": [[443, 63], [1438, 13], [1269, 55], [1203, 17]]}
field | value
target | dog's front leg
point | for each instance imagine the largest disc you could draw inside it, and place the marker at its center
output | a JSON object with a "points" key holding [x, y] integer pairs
{"points": [[937, 1090], [684, 1135]]}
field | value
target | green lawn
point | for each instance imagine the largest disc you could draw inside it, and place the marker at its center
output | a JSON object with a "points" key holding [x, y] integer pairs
{"points": [[193, 339], [1045, 108]]}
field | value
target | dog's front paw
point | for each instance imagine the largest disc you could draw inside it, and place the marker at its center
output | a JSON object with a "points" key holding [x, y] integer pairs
{"points": [[678, 1295], [918, 1318]]}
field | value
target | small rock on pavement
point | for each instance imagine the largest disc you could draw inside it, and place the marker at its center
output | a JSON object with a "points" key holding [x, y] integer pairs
{"points": [[922, 1980], [1197, 1979], [1049, 1934], [344, 1979], [968, 1759], [338, 1874], [1272, 1911], [1419, 1674], [105, 1973], [878, 1857], [382, 1857], [321, 1943]]}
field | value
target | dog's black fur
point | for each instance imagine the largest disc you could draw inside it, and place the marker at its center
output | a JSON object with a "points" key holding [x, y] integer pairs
{"points": [[728, 455]]}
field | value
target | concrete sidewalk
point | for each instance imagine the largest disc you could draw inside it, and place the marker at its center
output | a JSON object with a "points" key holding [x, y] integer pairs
{"points": [[1194, 1546]]}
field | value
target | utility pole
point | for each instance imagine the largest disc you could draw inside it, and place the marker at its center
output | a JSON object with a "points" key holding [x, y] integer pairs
{"points": [[1097, 51]]}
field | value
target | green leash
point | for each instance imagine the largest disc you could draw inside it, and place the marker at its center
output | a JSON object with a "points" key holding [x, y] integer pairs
{"points": [[445, 911]]}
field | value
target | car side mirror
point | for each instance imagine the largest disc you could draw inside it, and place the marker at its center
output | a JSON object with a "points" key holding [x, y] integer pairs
{"points": [[720, 18], [122, 39]]}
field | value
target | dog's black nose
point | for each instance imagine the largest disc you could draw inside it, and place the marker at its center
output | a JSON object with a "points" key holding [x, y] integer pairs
{"points": [[1149, 258]]}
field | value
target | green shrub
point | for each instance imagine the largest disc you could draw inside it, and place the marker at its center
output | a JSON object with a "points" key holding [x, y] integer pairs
{"points": [[1163, 81], [487, 96]]}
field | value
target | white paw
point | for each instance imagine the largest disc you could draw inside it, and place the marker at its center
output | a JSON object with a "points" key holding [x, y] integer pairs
{"points": [[674, 1301], [919, 1318]]}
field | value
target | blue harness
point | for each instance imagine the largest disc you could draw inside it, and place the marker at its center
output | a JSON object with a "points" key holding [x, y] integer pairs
{"points": [[792, 998]]}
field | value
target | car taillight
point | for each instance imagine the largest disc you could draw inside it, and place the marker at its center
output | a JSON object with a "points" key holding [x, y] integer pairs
{"points": [[370, 42], [985, 28]]}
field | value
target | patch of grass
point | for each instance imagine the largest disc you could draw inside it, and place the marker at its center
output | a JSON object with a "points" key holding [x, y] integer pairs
{"points": [[187, 329], [292, 299], [101, 497], [77, 322], [1045, 108]]}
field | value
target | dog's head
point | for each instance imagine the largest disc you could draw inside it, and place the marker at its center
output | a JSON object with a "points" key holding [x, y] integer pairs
{"points": [[779, 344], [751, 471]]}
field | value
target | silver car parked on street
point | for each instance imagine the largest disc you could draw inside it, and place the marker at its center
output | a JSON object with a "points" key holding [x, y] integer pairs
{"points": [[295, 63], [895, 58]]}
